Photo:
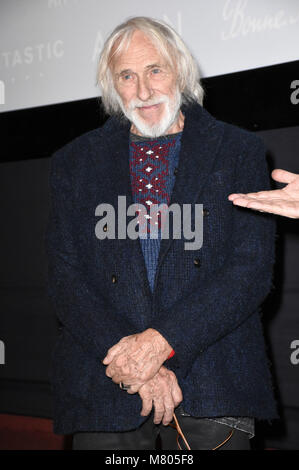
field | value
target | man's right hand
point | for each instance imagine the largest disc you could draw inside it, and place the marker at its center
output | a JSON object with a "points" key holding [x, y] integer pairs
{"points": [[162, 392]]}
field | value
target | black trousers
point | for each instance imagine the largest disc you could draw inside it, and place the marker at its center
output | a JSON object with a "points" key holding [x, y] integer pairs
{"points": [[201, 434]]}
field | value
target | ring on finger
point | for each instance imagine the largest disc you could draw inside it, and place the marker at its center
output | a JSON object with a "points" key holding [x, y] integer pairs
{"points": [[124, 387]]}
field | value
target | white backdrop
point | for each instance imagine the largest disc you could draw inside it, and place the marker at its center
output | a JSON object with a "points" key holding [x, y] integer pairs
{"points": [[49, 48]]}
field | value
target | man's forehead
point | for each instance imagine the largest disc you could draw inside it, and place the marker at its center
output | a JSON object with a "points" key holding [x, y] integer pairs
{"points": [[125, 64], [141, 52]]}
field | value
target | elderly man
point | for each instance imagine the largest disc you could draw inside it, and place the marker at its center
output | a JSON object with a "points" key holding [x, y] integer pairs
{"points": [[155, 338]]}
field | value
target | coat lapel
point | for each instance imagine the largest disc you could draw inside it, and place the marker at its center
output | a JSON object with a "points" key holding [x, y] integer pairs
{"points": [[199, 146], [129, 251]]}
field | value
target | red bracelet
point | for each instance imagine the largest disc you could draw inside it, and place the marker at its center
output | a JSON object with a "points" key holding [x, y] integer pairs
{"points": [[171, 354]]}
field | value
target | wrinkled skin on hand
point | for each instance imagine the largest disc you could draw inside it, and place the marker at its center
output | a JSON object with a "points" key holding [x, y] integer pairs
{"points": [[137, 358], [162, 392]]}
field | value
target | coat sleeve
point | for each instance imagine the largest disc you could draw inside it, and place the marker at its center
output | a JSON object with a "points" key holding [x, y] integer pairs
{"points": [[236, 292], [85, 314]]}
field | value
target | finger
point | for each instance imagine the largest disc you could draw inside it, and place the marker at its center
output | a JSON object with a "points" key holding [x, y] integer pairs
{"points": [[116, 379], [283, 176], [177, 395], [233, 196], [112, 352], [167, 399], [159, 410], [117, 376], [173, 386], [168, 411], [147, 405], [241, 201], [134, 388], [110, 371], [252, 203], [265, 206], [261, 195], [168, 416]]}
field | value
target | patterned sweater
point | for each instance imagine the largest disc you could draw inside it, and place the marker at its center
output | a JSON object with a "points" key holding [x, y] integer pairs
{"points": [[153, 164]]}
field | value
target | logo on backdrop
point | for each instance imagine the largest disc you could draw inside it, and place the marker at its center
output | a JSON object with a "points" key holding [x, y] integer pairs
{"points": [[30, 56], [295, 94], [36, 53], [2, 353], [240, 23], [294, 357]]}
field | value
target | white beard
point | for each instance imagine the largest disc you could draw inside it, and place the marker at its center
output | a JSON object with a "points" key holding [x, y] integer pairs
{"points": [[172, 108]]}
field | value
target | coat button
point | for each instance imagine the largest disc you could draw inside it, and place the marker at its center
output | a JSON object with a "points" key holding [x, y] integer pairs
{"points": [[205, 212], [196, 262], [114, 279], [176, 170]]}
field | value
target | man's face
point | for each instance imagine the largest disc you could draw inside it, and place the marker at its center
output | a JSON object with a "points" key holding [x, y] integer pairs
{"points": [[146, 86]]}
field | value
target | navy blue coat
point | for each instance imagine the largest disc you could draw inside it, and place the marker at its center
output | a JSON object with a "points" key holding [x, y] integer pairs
{"points": [[209, 312]]}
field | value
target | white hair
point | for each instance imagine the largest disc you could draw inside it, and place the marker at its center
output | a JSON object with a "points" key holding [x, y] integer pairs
{"points": [[167, 42]]}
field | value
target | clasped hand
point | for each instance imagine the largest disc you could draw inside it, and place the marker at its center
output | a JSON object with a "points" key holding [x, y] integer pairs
{"points": [[137, 360]]}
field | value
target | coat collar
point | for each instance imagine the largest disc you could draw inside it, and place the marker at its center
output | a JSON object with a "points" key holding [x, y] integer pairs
{"points": [[201, 138]]}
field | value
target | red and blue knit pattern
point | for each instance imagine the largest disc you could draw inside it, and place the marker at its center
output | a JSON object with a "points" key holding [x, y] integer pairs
{"points": [[151, 171], [152, 165]]}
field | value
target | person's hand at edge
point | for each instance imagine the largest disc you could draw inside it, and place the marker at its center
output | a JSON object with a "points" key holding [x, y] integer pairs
{"points": [[283, 201]]}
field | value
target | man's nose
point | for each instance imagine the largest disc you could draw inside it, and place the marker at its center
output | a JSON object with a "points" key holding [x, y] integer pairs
{"points": [[144, 91]]}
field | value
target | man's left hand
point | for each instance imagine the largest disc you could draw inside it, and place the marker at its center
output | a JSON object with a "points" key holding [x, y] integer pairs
{"points": [[137, 358]]}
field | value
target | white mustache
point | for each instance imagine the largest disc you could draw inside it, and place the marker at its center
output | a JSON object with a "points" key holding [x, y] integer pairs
{"points": [[140, 104]]}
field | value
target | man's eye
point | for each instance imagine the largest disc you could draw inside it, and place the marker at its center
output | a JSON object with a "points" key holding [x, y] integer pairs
{"points": [[156, 71], [126, 77]]}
